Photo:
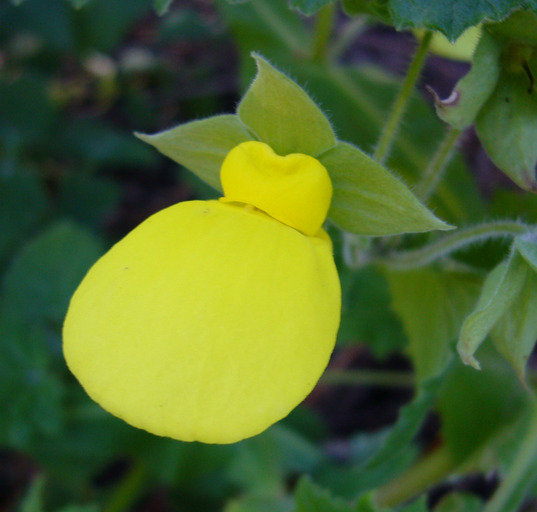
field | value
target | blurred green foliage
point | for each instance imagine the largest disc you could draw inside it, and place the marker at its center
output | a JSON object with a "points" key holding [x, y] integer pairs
{"points": [[74, 84]]}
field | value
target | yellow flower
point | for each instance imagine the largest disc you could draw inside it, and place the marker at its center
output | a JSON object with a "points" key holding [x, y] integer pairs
{"points": [[212, 320]]}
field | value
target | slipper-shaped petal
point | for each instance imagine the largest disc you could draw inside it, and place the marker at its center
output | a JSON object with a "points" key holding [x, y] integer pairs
{"points": [[209, 322]]}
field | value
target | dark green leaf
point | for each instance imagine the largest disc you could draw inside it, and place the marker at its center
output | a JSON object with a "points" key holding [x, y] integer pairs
{"points": [[259, 504], [201, 146], [507, 129], [408, 423], [451, 17], [310, 497], [44, 275], [366, 316], [459, 502], [162, 6], [477, 408], [281, 114], [419, 505], [368, 200], [474, 89], [30, 392], [432, 306], [23, 204]]}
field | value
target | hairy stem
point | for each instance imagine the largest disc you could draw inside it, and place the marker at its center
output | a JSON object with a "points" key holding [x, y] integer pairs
{"points": [[391, 128], [451, 243], [368, 378], [435, 170], [324, 25]]}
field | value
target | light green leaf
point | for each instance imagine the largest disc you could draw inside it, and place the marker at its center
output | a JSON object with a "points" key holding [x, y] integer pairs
{"points": [[282, 115], [432, 306], [459, 502], [507, 129], [527, 248], [451, 17], [501, 288], [515, 332], [308, 7], [474, 89], [43, 276], [201, 146], [162, 6], [368, 200], [408, 423]]}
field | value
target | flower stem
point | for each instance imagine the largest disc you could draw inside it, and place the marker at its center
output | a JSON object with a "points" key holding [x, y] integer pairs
{"points": [[436, 168], [368, 378], [451, 243], [324, 25], [391, 128], [418, 478]]}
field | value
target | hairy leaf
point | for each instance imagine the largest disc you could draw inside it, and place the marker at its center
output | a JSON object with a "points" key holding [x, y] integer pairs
{"points": [[281, 114], [452, 17], [499, 292], [368, 200], [201, 146]]}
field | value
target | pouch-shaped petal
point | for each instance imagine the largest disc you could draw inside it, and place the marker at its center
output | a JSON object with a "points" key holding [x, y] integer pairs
{"points": [[208, 322]]}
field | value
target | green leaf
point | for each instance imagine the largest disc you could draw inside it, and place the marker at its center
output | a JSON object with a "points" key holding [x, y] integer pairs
{"points": [[527, 248], [201, 146], [502, 286], [368, 200], [281, 114], [378, 9], [78, 4], [477, 409], [521, 27], [419, 505], [474, 89], [451, 17], [366, 315], [522, 472], [408, 423], [162, 6], [432, 306], [459, 502], [310, 497], [30, 391], [43, 276], [23, 204], [259, 504], [515, 333], [308, 7], [507, 129]]}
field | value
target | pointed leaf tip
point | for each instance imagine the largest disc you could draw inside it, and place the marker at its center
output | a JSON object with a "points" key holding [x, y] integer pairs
{"points": [[282, 114]]}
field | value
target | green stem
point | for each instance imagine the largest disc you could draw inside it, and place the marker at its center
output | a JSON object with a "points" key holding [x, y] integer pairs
{"points": [[391, 128], [418, 478], [435, 170], [451, 243], [128, 491], [519, 475], [324, 25], [368, 378]]}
